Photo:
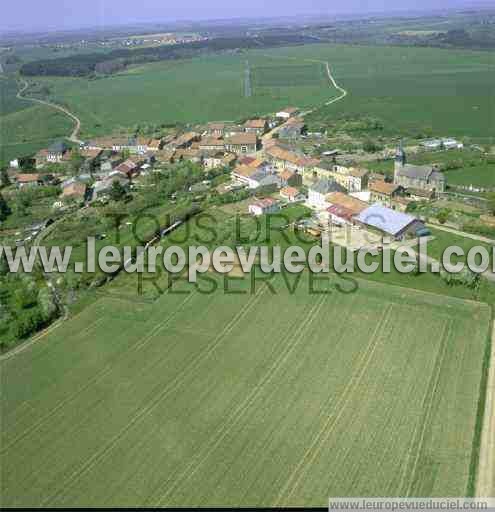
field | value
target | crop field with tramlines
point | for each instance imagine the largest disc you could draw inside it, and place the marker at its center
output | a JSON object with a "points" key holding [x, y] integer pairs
{"points": [[293, 75], [246, 399]]}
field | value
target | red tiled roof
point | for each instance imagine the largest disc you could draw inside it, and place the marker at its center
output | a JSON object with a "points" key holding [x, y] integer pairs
{"points": [[265, 203], [289, 192], [27, 178], [242, 139], [255, 123], [381, 187]]}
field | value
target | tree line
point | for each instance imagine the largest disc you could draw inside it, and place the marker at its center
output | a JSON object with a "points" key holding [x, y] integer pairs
{"points": [[90, 64]]}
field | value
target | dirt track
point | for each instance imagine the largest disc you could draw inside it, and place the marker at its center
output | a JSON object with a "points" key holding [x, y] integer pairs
{"points": [[73, 137], [485, 483]]}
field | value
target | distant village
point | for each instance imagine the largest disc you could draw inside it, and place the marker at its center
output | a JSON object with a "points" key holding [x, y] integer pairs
{"points": [[259, 154]]}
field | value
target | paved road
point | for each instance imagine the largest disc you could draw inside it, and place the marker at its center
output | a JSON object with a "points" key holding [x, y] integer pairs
{"points": [[73, 137], [485, 481]]}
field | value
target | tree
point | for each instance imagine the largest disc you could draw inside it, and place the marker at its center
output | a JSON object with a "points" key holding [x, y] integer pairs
{"points": [[443, 215], [76, 161], [117, 192], [371, 147], [491, 202], [23, 202], [4, 179], [4, 209]]}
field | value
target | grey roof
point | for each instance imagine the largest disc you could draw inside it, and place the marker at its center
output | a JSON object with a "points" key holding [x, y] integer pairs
{"points": [[271, 179], [418, 172], [58, 147], [265, 177], [385, 219], [436, 175], [326, 186]]}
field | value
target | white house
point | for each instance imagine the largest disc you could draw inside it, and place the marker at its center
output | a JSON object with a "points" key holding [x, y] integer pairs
{"points": [[317, 193], [264, 206], [452, 144], [287, 113]]}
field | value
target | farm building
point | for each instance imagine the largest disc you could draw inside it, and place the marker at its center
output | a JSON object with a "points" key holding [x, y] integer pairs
{"points": [[344, 208], [418, 194], [287, 113], [383, 192], [292, 129], [216, 129], [189, 155], [436, 144], [74, 189], [390, 222], [56, 152], [213, 160], [212, 144], [28, 180], [129, 168], [155, 145], [103, 188], [243, 143], [184, 141], [257, 126], [264, 206]]}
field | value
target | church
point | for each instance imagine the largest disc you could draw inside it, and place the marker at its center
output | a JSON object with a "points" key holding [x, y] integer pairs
{"points": [[422, 177]]}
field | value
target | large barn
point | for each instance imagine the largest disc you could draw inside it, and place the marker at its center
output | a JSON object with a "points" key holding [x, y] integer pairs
{"points": [[390, 222]]}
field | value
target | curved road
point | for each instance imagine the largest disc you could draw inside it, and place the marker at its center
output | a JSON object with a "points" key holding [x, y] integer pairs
{"points": [[77, 128]]}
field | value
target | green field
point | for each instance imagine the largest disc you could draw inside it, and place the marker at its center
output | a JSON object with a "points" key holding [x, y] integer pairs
{"points": [[198, 90], [231, 399], [412, 90], [473, 167], [26, 127], [290, 76]]}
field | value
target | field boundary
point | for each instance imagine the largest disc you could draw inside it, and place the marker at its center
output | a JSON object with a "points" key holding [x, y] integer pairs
{"points": [[485, 477]]}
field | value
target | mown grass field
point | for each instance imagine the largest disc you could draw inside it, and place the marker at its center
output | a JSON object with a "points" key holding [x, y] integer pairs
{"points": [[246, 399]]}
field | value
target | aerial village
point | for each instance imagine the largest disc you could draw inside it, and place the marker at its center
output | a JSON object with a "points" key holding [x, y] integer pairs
{"points": [[260, 158]]}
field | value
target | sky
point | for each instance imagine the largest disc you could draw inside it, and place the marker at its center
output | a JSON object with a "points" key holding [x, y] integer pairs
{"points": [[32, 15]]}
